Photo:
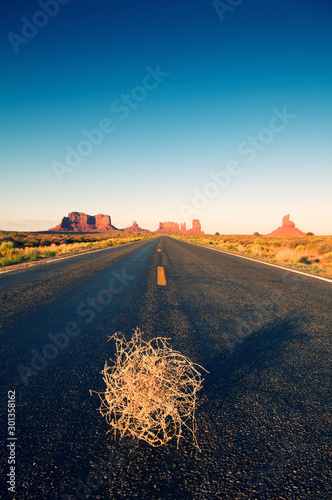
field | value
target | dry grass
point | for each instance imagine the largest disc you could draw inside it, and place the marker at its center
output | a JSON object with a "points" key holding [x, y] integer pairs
{"points": [[311, 254], [151, 391], [21, 247]]}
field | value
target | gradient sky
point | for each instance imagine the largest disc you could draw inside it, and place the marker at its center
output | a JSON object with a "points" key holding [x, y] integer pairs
{"points": [[226, 80]]}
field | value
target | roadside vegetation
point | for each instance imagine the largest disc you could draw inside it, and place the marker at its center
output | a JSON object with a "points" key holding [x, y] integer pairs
{"points": [[311, 254], [20, 247]]}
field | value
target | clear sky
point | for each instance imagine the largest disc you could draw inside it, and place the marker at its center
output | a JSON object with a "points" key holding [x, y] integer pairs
{"points": [[167, 110]]}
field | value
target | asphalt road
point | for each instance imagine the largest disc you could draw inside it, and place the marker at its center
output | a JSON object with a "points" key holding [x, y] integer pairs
{"points": [[264, 335]]}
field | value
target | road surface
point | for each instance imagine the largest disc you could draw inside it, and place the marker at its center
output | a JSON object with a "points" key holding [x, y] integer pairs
{"points": [[263, 334]]}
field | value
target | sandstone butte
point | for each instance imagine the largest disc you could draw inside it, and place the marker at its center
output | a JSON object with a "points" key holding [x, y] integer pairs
{"points": [[80, 222], [83, 223], [134, 228], [174, 227], [287, 229]]}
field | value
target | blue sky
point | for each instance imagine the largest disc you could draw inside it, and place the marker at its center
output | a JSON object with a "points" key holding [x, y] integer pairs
{"points": [[182, 90]]}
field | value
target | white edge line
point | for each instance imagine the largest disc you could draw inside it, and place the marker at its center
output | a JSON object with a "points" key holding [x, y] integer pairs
{"points": [[79, 254], [259, 261]]}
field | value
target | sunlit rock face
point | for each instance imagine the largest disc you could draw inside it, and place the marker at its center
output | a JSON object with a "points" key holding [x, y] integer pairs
{"points": [[134, 228], [175, 227], [83, 223], [288, 228]]}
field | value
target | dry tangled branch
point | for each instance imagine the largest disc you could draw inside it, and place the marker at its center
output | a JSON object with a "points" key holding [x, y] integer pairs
{"points": [[150, 390]]}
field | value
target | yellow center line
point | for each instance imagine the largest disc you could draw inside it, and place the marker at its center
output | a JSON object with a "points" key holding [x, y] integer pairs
{"points": [[159, 250], [161, 280]]}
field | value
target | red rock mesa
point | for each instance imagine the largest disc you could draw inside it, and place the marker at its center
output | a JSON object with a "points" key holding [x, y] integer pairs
{"points": [[196, 229], [174, 227], [287, 229], [80, 222], [83, 223]]}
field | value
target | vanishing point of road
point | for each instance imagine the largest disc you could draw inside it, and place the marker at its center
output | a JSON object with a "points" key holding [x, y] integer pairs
{"points": [[263, 333]]}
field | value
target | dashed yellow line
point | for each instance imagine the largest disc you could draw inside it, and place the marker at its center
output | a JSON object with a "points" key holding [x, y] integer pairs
{"points": [[161, 280], [159, 250]]}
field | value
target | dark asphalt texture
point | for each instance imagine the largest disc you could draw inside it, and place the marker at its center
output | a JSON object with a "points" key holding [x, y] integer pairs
{"points": [[264, 414]]}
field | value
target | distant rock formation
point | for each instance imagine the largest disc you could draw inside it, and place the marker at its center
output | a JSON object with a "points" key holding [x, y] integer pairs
{"points": [[175, 227], [196, 229], [169, 227], [286, 222], [80, 222], [287, 229], [135, 229]]}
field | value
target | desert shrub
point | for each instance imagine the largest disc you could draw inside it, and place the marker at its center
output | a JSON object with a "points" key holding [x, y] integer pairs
{"points": [[150, 390], [292, 244], [62, 248], [256, 233], [106, 243], [49, 253], [245, 241], [296, 241], [324, 248], [287, 255], [231, 247], [32, 244], [4, 261], [34, 256], [217, 234], [258, 241], [328, 257], [75, 247], [310, 234], [304, 260], [46, 243], [6, 246], [12, 259]]}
